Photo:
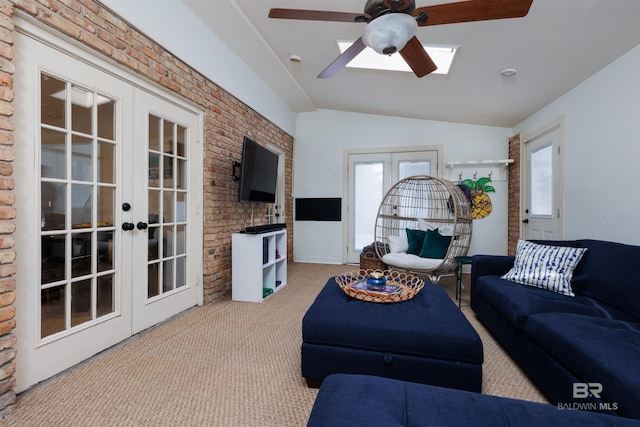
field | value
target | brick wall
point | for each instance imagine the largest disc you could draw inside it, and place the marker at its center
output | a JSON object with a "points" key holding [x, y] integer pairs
{"points": [[7, 213], [226, 121], [513, 202]]}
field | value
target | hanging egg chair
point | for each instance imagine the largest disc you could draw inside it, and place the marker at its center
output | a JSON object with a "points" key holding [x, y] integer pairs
{"points": [[423, 224]]}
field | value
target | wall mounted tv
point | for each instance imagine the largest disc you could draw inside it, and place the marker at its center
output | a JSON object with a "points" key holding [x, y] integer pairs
{"points": [[258, 173]]}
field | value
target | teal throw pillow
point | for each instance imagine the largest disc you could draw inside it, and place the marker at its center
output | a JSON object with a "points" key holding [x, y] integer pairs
{"points": [[434, 245], [415, 239]]}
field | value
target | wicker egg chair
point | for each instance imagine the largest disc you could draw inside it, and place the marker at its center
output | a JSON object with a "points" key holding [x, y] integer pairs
{"points": [[420, 202]]}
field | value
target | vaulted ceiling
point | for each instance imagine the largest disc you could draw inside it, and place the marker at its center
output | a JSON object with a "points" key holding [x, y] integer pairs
{"points": [[559, 44]]}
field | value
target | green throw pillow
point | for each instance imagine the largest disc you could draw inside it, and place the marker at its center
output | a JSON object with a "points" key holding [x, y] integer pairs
{"points": [[434, 245], [416, 240]]}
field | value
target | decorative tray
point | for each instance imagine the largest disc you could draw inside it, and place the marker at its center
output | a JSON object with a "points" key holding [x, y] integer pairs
{"points": [[399, 286]]}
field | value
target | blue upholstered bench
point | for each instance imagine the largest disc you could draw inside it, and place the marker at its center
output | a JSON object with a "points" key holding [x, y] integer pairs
{"points": [[426, 339], [366, 401]]}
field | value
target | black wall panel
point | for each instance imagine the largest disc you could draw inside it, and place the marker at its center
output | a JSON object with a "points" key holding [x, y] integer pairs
{"points": [[319, 209]]}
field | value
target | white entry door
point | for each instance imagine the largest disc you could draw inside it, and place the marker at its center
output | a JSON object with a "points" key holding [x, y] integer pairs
{"points": [[103, 243], [542, 184], [370, 177]]}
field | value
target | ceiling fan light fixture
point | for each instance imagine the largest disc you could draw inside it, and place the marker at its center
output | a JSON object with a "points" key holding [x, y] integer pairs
{"points": [[389, 33]]}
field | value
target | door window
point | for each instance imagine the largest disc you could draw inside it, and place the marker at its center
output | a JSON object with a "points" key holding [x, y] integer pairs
{"points": [[77, 203], [167, 201]]}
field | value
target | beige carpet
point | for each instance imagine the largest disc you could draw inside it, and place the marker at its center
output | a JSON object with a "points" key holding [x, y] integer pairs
{"points": [[224, 364]]}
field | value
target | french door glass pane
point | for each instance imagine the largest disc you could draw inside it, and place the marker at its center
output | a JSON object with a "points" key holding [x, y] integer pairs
{"points": [[412, 168], [52, 101], [81, 109], [106, 295], [77, 197], [106, 162], [166, 205], [542, 182], [368, 187], [81, 158], [53, 150], [106, 118], [81, 302]]}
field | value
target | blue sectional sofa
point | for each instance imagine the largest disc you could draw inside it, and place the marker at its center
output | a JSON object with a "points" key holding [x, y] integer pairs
{"points": [[582, 351], [368, 401]]}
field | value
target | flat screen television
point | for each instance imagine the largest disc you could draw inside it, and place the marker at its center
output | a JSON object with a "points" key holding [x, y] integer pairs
{"points": [[258, 173]]}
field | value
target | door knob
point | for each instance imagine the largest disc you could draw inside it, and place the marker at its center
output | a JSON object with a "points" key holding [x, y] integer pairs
{"points": [[127, 226], [141, 225], [525, 221]]}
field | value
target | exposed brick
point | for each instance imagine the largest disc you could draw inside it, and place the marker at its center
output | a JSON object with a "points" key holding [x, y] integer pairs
{"points": [[61, 24], [8, 270], [6, 66], [7, 313], [7, 197], [9, 398], [7, 285], [6, 183], [8, 341], [7, 355], [49, 4], [7, 370], [7, 227], [6, 109], [7, 326], [7, 213], [6, 123], [6, 138], [7, 385], [7, 257], [28, 6]]}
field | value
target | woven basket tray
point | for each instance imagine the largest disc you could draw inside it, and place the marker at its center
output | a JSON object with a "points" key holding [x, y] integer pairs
{"points": [[408, 286], [371, 261]]}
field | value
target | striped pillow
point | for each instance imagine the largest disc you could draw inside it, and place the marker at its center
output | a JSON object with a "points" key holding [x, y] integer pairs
{"points": [[546, 267]]}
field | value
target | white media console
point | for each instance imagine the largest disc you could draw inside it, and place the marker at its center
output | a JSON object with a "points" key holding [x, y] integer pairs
{"points": [[258, 265]]}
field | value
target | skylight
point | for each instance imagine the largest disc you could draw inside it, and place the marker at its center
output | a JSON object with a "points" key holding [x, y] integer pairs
{"points": [[442, 55]]}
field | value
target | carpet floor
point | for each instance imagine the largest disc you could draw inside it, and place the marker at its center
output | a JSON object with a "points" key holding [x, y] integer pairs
{"points": [[224, 364]]}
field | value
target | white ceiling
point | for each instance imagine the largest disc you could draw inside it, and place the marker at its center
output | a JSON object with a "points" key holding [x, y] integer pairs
{"points": [[556, 46]]}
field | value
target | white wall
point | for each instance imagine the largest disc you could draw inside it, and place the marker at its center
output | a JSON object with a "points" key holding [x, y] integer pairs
{"points": [[323, 136], [602, 152]]}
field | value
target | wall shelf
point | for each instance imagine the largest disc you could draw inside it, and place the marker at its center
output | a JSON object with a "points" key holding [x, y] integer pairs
{"points": [[474, 169]]}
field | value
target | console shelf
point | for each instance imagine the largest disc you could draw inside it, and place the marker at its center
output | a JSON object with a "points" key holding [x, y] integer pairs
{"points": [[259, 265]]}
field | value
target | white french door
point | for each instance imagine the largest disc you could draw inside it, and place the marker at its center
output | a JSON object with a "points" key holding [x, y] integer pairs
{"points": [[107, 205], [370, 177], [162, 220], [542, 184]]}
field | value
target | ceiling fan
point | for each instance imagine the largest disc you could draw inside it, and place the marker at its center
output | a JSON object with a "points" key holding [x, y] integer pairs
{"points": [[392, 24]]}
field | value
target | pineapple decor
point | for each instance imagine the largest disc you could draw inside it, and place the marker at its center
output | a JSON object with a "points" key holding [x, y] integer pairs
{"points": [[480, 201]]}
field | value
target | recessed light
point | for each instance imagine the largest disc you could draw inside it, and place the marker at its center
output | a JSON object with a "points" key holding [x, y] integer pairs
{"points": [[295, 59], [509, 72]]}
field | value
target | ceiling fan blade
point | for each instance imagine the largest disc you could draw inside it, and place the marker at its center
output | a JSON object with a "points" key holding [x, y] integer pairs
{"points": [[474, 10], [417, 58], [341, 61], [318, 15]]}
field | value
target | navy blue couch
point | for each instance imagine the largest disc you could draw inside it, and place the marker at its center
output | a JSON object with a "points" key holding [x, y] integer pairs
{"points": [[368, 401], [582, 351]]}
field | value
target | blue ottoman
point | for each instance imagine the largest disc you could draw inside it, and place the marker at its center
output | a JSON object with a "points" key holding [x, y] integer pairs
{"points": [[364, 401], [426, 339]]}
